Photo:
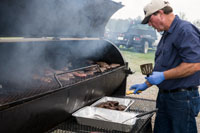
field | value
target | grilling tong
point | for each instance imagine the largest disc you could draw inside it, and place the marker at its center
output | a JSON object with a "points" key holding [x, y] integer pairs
{"points": [[146, 69], [141, 115]]}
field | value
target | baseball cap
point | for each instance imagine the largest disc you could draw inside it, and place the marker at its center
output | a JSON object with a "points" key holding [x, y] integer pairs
{"points": [[152, 7]]}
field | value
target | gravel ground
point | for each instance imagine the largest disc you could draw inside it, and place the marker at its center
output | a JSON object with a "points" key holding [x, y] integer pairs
{"points": [[150, 93]]}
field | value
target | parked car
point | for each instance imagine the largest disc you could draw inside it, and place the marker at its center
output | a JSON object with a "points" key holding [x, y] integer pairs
{"points": [[111, 36], [140, 37]]}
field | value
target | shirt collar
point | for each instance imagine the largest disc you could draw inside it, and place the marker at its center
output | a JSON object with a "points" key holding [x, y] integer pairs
{"points": [[174, 23]]}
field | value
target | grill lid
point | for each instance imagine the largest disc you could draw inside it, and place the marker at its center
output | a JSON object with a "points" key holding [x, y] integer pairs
{"points": [[55, 18]]}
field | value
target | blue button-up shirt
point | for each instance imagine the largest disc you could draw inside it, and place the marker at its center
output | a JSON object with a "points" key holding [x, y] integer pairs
{"points": [[181, 43]]}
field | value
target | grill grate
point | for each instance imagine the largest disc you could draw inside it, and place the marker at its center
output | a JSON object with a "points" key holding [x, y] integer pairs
{"points": [[12, 94], [140, 106]]}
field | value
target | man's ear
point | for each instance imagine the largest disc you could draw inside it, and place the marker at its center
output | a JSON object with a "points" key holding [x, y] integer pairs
{"points": [[161, 13]]}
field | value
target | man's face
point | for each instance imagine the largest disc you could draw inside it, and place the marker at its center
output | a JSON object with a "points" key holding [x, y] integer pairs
{"points": [[156, 21]]}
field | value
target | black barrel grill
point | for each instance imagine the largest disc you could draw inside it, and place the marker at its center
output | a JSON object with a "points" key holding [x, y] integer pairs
{"points": [[38, 104], [39, 85]]}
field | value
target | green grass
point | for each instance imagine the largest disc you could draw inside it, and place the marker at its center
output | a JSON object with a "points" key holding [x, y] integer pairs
{"points": [[136, 59]]}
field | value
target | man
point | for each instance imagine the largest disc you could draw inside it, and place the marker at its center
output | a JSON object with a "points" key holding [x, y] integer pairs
{"points": [[176, 71]]}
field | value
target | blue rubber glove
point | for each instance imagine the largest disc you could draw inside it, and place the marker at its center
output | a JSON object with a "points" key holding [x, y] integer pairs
{"points": [[139, 87], [156, 78]]}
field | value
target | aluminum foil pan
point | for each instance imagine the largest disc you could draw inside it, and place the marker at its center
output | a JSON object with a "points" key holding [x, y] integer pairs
{"points": [[105, 118], [122, 101]]}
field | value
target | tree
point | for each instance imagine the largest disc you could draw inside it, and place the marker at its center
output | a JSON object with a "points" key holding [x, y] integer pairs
{"points": [[137, 20], [182, 15], [197, 23], [118, 25], [121, 25]]}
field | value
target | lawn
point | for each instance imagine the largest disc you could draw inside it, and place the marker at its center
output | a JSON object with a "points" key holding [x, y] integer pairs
{"points": [[136, 59]]}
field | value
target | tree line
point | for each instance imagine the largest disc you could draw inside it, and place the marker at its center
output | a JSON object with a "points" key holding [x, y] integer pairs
{"points": [[121, 25]]}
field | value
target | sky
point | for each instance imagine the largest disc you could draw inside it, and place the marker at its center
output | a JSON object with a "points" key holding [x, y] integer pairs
{"points": [[134, 8]]}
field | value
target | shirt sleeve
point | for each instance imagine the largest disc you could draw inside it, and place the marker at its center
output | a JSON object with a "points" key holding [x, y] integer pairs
{"points": [[188, 44]]}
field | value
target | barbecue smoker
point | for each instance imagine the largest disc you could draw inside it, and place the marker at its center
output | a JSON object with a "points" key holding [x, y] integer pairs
{"points": [[45, 77]]}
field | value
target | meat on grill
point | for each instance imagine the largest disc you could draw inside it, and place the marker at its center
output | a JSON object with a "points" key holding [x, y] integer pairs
{"points": [[48, 73], [114, 105], [79, 74], [42, 78], [103, 65], [66, 76], [114, 65], [90, 73]]}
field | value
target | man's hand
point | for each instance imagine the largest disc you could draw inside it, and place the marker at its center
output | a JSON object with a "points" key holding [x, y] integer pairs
{"points": [[156, 78], [139, 87]]}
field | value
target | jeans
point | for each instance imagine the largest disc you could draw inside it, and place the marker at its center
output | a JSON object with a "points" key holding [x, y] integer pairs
{"points": [[177, 112]]}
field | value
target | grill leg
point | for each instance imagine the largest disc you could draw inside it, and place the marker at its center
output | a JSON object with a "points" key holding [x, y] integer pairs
{"points": [[147, 128]]}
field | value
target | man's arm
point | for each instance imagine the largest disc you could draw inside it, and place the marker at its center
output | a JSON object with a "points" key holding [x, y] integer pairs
{"points": [[183, 70]]}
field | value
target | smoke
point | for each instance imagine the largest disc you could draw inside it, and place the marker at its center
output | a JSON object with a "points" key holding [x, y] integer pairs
{"points": [[54, 18], [18, 61], [21, 61], [63, 18]]}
